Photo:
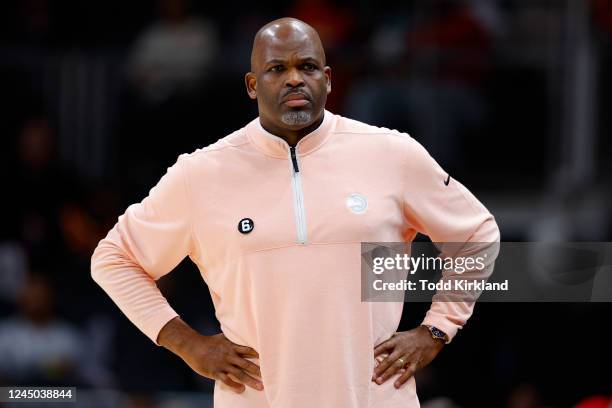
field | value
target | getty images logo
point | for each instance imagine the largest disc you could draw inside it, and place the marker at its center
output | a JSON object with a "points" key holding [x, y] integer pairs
{"points": [[357, 203]]}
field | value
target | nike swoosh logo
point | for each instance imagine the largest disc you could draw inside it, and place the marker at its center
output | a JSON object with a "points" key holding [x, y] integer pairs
{"points": [[447, 180]]}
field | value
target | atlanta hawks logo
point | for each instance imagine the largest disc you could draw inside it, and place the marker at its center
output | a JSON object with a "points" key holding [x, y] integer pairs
{"points": [[357, 203]]}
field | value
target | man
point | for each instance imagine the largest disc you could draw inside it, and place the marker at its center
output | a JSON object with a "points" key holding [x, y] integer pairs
{"points": [[273, 216]]}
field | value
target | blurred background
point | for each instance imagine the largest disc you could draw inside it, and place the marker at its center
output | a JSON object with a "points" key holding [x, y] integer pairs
{"points": [[100, 97]]}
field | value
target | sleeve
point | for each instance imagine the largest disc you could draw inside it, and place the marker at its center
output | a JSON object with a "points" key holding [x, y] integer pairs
{"points": [[440, 207], [149, 240]]}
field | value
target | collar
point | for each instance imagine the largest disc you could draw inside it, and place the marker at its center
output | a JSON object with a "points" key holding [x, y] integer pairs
{"points": [[276, 146]]}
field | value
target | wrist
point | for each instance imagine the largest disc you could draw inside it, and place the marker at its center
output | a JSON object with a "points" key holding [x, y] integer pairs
{"points": [[437, 335], [177, 336]]}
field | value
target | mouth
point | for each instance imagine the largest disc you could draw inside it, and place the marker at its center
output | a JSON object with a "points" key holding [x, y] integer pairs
{"points": [[296, 100]]}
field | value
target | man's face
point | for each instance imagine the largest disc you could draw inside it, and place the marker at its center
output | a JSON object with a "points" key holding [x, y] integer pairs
{"points": [[289, 80]]}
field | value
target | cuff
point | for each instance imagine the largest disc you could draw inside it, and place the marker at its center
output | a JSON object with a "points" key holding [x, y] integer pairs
{"points": [[153, 327]]}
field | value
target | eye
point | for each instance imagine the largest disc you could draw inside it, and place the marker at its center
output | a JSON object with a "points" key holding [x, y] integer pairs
{"points": [[276, 68], [309, 67]]}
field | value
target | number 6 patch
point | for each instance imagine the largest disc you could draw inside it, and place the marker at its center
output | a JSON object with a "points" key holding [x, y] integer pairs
{"points": [[246, 225]]}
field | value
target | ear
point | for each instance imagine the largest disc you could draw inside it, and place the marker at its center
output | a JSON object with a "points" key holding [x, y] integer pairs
{"points": [[327, 71], [250, 81]]}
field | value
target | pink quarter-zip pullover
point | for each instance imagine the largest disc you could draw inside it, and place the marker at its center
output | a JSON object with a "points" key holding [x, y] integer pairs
{"points": [[277, 240]]}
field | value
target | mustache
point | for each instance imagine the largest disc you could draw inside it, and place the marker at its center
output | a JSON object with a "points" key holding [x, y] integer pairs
{"points": [[293, 91]]}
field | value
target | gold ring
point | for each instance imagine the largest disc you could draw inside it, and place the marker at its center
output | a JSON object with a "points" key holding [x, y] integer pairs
{"points": [[401, 360]]}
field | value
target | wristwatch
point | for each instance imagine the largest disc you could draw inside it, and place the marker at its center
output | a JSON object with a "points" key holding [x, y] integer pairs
{"points": [[436, 333]]}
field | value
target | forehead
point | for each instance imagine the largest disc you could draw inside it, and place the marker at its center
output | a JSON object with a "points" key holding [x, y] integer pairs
{"points": [[295, 45]]}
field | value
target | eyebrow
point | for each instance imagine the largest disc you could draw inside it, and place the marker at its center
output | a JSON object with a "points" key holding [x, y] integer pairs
{"points": [[281, 61]]}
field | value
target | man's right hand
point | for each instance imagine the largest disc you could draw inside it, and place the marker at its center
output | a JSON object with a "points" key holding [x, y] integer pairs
{"points": [[214, 357]]}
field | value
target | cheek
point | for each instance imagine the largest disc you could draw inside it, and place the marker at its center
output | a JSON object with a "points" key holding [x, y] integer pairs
{"points": [[318, 85], [267, 91]]}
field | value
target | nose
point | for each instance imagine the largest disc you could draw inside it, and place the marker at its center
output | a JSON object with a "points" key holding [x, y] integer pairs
{"points": [[294, 79]]}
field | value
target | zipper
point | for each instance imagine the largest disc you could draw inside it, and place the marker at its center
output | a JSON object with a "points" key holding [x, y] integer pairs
{"points": [[298, 197]]}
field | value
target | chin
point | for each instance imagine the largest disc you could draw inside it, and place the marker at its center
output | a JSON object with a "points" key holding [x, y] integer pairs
{"points": [[298, 118]]}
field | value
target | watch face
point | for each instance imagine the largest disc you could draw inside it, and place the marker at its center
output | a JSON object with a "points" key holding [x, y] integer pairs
{"points": [[438, 333]]}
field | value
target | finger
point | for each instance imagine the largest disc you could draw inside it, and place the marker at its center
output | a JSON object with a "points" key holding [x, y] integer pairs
{"points": [[388, 367], [246, 351], [409, 372], [390, 372], [387, 345], [380, 358], [246, 365], [237, 387], [244, 378], [384, 361]]}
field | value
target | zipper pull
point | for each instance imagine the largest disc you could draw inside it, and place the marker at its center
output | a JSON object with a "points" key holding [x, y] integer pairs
{"points": [[294, 159]]}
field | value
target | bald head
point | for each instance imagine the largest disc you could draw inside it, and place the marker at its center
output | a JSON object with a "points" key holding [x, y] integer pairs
{"points": [[282, 31]]}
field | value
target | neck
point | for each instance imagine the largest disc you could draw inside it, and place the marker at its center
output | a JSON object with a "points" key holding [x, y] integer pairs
{"points": [[292, 137]]}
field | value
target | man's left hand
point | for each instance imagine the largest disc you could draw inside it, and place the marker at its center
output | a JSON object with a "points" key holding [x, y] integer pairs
{"points": [[407, 352]]}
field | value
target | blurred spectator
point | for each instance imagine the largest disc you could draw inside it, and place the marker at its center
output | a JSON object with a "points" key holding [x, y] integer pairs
{"points": [[452, 43], [333, 23], [40, 185], [86, 221], [37, 347], [431, 85], [169, 70], [174, 54]]}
